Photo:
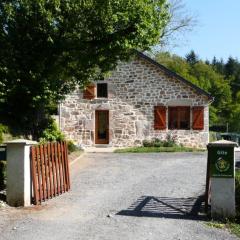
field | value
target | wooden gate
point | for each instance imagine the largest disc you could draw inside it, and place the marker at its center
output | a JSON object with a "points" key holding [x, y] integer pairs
{"points": [[49, 171]]}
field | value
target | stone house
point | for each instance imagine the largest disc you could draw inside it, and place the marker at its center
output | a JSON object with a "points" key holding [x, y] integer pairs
{"points": [[140, 100]]}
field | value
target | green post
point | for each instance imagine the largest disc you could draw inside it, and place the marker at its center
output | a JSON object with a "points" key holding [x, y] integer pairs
{"points": [[222, 177]]}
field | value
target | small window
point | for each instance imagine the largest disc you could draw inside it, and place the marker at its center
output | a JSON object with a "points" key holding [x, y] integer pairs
{"points": [[102, 90], [179, 117]]}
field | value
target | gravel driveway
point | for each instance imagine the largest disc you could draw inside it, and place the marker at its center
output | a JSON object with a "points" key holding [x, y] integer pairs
{"points": [[122, 196]]}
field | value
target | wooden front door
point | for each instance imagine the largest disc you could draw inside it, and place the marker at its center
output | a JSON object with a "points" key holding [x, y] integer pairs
{"points": [[102, 127]]}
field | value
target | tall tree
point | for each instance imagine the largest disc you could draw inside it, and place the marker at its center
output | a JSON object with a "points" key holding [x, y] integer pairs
{"points": [[192, 58], [181, 21], [49, 47], [232, 72], [207, 78]]}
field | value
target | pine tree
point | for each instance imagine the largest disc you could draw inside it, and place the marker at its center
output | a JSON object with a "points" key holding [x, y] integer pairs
{"points": [[192, 58]]}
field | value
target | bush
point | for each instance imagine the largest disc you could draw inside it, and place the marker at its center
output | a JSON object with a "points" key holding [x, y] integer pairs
{"points": [[212, 136], [72, 147], [237, 179], [51, 133], [169, 142], [2, 174], [3, 129], [157, 142], [147, 143]]}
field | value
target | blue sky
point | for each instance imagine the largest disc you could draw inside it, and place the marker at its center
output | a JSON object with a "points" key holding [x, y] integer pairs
{"points": [[217, 32]]}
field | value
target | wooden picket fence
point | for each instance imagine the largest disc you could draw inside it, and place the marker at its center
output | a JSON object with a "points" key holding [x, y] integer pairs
{"points": [[49, 171]]}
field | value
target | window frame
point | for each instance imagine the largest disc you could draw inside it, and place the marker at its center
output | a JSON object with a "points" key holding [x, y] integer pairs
{"points": [[178, 117], [97, 85]]}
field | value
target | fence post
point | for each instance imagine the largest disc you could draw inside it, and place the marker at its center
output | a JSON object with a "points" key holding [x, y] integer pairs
{"points": [[18, 172]]}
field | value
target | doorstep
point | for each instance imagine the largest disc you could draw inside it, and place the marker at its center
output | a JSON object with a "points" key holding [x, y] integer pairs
{"points": [[100, 148]]}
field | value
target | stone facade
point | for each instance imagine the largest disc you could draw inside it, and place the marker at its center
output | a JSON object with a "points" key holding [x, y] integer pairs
{"points": [[134, 88]]}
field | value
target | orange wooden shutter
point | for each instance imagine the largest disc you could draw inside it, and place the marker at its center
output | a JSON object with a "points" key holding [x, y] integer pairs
{"points": [[198, 118], [89, 92], [159, 118]]}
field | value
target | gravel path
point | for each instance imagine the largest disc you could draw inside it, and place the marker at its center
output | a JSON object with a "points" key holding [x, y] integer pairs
{"points": [[121, 196]]}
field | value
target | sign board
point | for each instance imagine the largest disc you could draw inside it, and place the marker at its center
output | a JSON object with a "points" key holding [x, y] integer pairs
{"points": [[3, 156], [221, 161]]}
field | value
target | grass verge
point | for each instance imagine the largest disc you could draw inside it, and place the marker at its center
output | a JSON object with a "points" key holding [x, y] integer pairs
{"points": [[156, 149]]}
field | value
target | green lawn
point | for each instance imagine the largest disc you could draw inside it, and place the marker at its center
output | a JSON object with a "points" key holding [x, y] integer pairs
{"points": [[156, 149]]}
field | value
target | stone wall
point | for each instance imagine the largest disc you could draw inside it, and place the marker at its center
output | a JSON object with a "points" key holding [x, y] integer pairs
{"points": [[134, 88]]}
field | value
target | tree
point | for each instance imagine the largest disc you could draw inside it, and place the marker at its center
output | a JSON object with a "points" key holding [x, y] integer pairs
{"points": [[232, 72], [192, 58], [49, 47], [234, 123], [180, 22], [231, 67], [205, 77]]}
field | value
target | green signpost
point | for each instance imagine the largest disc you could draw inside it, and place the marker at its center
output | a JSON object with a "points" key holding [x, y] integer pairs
{"points": [[222, 161], [221, 166], [3, 153]]}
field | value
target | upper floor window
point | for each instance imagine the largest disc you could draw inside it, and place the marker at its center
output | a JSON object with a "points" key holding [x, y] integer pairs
{"points": [[102, 90], [179, 117]]}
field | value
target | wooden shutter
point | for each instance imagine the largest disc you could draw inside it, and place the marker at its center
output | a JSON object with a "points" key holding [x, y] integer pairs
{"points": [[89, 92], [198, 118], [159, 118]]}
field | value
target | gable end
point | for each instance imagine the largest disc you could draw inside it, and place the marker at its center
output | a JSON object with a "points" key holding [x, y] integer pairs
{"points": [[173, 74]]}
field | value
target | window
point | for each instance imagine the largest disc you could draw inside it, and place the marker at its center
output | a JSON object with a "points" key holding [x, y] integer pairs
{"points": [[102, 90], [179, 117]]}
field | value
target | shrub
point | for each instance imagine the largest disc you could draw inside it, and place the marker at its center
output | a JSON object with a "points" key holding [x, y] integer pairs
{"points": [[157, 142], [169, 142], [2, 174], [237, 179], [147, 143], [72, 147], [212, 136], [3, 129], [51, 133]]}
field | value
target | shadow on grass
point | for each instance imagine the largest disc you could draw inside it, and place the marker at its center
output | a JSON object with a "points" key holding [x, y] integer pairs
{"points": [[165, 207]]}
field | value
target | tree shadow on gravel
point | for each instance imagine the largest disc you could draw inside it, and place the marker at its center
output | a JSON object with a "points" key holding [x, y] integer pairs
{"points": [[165, 207]]}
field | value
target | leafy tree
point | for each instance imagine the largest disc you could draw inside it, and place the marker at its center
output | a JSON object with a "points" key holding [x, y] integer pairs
{"points": [[49, 47], [232, 71], [207, 78], [234, 123], [218, 65], [181, 21], [231, 67]]}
